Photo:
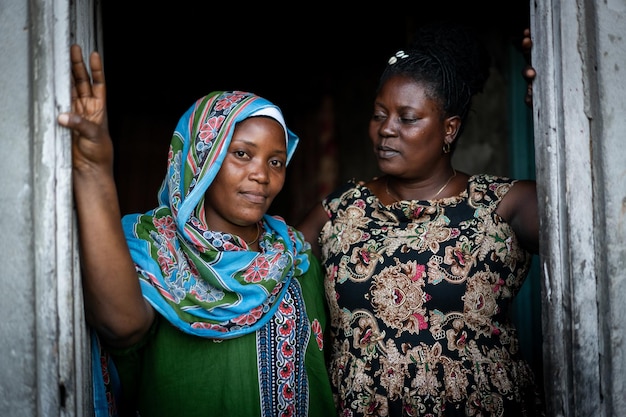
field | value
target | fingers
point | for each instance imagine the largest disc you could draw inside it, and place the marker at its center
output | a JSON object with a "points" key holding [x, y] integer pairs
{"points": [[527, 43], [70, 120], [80, 75], [529, 73], [87, 85], [528, 98], [77, 123], [97, 74], [83, 128], [88, 115], [64, 119]]}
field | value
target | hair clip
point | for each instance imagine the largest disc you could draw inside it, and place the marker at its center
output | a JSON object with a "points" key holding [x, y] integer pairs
{"points": [[394, 59]]}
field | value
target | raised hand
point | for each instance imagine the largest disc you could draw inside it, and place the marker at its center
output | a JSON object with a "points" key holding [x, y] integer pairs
{"points": [[114, 304], [91, 143]]}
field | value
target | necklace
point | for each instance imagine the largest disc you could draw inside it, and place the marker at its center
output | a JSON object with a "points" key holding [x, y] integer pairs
{"points": [[446, 184], [258, 233], [432, 198]]}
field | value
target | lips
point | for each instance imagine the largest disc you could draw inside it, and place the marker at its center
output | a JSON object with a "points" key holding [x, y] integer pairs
{"points": [[254, 197], [385, 152]]}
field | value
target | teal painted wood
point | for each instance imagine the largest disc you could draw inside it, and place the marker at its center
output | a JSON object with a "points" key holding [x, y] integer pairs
{"points": [[527, 307]]}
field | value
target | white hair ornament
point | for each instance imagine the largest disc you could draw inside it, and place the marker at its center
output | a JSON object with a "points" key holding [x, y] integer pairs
{"points": [[399, 54]]}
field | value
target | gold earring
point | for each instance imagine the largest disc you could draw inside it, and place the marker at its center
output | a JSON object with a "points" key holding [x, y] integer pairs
{"points": [[447, 147]]}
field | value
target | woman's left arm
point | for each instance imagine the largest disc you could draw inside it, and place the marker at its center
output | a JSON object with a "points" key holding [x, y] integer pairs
{"points": [[519, 208]]}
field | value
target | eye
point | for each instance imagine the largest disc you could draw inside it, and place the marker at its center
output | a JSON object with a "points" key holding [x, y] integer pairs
{"points": [[408, 118], [378, 117], [241, 154], [277, 163]]}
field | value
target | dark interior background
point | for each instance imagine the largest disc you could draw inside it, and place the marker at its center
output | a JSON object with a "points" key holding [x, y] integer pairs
{"points": [[320, 65]]}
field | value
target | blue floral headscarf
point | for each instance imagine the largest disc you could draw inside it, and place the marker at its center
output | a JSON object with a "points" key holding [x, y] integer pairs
{"points": [[205, 282]]}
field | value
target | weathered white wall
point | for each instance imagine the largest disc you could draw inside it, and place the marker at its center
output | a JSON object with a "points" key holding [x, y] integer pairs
{"points": [[580, 55], [43, 345], [18, 353]]}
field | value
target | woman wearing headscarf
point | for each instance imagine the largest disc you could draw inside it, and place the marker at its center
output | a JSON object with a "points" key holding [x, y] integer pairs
{"points": [[205, 305]]}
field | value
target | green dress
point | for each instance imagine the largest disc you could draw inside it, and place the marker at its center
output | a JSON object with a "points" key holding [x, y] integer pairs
{"points": [[239, 332], [172, 373]]}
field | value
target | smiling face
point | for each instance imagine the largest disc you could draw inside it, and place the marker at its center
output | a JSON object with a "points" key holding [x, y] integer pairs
{"points": [[408, 130], [252, 174]]}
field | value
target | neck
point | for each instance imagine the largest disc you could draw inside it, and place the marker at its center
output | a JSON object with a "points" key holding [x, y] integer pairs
{"points": [[256, 238], [391, 190]]}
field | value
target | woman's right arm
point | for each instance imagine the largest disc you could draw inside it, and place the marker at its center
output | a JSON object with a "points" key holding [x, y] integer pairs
{"points": [[114, 304]]}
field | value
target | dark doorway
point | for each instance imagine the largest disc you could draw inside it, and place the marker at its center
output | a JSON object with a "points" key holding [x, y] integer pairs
{"points": [[319, 65]]}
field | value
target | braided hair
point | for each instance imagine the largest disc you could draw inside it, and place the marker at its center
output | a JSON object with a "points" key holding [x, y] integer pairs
{"points": [[449, 61]]}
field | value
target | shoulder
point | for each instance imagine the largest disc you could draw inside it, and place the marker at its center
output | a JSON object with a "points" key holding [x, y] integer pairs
{"points": [[500, 189], [489, 181], [486, 190], [519, 196], [514, 201], [519, 208]]}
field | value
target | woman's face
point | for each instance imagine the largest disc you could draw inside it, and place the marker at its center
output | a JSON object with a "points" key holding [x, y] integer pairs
{"points": [[252, 174], [408, 130]]}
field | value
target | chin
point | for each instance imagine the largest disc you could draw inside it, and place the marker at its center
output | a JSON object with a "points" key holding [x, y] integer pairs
{"points": [[384, 165]]}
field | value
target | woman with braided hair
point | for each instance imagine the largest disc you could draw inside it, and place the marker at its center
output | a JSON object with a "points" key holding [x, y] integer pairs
{"points": [[423, 262]]}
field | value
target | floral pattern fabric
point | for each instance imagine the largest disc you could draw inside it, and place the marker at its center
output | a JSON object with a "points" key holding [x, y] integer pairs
{"points": [[419, 294], [206, 282]]}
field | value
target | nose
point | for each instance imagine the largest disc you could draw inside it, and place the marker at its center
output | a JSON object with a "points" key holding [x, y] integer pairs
{"points": [[259, 172], [387, 127]]}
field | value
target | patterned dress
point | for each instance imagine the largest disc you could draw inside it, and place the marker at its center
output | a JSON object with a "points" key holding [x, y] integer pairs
{"points": [[419, 295]]}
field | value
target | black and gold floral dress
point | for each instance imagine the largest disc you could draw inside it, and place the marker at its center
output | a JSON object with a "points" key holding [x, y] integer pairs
{"points": [[419, 294]]}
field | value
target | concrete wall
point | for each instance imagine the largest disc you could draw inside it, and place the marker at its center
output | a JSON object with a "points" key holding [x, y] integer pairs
{"points": [[43, 345], [580, 56], [18, 325]]}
